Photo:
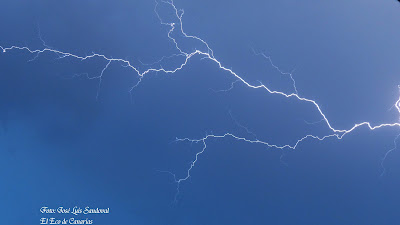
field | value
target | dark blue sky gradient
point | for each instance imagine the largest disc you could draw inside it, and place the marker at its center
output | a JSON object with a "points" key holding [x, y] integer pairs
{"points": [[59, 146]]}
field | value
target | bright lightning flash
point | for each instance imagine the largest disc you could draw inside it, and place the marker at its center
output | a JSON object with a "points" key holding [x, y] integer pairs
{"points": [[208, 55]]}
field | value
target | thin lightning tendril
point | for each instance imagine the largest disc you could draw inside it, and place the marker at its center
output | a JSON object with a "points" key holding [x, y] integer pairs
{"points": [[209, 55], [241, 126], [226, 90], [278, 69], [387, 153]]}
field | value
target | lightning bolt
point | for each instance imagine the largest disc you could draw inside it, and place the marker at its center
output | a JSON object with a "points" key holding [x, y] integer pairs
{"points": [[387, 153], [177, 28], [290, 74]]}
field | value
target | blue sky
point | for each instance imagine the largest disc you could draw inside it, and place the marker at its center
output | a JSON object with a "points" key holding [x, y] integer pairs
{"points": [[64, 141]]}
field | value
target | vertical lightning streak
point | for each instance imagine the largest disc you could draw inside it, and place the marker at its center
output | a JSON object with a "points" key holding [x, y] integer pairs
{"points": [[387, 153]]}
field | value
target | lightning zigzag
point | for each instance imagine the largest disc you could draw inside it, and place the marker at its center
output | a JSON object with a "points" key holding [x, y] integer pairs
{"points": [[209, 55]]}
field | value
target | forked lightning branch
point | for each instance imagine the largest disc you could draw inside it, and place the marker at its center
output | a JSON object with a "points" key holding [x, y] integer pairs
{"points": [[177, 28]]}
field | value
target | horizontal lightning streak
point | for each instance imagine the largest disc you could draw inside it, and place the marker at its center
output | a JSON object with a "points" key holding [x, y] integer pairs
{"points": [[337, 133]]}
